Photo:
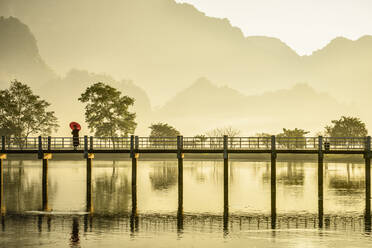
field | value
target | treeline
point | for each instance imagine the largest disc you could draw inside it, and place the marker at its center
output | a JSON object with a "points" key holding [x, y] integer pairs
{"points": [[22, 113]]}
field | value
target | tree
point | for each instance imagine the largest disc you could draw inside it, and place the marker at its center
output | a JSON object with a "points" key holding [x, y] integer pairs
{"points": [[163, 130], [22, 113], [346, 127], [220, 132], [293, 133], [266, 139], [294, 138], [107, 111]]}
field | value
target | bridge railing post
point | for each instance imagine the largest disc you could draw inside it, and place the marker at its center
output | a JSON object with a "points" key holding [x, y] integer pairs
{"points": [[136, 143], [40, 148], [320, 182], [49, 143], [3, 143], [85, 146], [91, 144]]}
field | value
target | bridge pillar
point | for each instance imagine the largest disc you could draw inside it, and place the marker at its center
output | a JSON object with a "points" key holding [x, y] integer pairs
{"points": [[320, 182], [180, 157], [89, 201], [225, 183], [2, 205], [367, 158], [134, 155], [46, 157], [273, 182]]}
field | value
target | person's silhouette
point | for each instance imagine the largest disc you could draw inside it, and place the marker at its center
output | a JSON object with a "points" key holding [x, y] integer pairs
{"points": [[75, 136]]}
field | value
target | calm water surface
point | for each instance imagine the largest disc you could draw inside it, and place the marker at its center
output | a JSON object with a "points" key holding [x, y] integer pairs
{"points": [[157, 225]]}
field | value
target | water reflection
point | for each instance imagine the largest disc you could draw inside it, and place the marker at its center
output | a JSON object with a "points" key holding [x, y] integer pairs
{"points": [[249, 187], [163, 176], [292, 175], [23, 187], [75, 239], [111, 189]]}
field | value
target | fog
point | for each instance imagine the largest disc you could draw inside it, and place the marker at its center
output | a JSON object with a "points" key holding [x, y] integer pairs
{"points": [[182, 67]]}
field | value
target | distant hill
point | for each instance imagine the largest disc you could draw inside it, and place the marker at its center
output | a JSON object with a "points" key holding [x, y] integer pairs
{"points": [[19, 59], [163, 46], [204, 106], [19, 54], [160, 44]]}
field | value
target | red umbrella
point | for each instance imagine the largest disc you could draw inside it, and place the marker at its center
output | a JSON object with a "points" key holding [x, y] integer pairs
{"points": [[75, 125]]}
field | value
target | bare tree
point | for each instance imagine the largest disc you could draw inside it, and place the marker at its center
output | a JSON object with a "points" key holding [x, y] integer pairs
{"points": [[220, 132]]}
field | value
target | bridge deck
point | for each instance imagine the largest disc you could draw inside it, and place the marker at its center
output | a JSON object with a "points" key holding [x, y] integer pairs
{"points": [[301, 145]]}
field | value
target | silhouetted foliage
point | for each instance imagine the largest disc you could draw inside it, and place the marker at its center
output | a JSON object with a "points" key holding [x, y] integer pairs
{"points": [[293, 133], [346, 127], [220, 132], [286, 138], [23, 113], [107, 111], [163, 130]]}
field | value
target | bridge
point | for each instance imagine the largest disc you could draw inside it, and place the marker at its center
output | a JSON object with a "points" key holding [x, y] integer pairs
{"points": [[44, 147], [335, 145]]}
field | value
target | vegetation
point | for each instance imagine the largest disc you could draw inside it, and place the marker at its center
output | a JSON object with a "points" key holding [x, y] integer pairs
{"points": [[107, 111], [23, 113], [220, 132], [284, 138], [293, 133], [346, 127], [163, 130]]}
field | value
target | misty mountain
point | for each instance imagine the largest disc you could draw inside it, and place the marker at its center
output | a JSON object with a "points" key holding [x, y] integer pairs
{"points": [[19, 54], [160, 44], [163, 46], [204, 106]]}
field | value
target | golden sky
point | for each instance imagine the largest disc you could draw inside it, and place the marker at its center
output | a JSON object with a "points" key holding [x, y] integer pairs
{"points": [[305, 25]]}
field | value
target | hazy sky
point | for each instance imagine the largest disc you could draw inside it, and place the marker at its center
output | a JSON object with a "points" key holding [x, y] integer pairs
{"points": [[305, 25]]}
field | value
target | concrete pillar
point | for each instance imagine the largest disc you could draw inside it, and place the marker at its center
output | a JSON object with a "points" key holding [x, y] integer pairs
{"points": [[273, 182], [180, 157], [45, 205], [134, 155], [89, 201], [2, 204], [225, 183], [367, 158], [320, 182]]}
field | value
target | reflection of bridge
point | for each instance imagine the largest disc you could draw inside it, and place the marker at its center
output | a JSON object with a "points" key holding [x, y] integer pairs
{"points": [[201, 223], [134, 145]]}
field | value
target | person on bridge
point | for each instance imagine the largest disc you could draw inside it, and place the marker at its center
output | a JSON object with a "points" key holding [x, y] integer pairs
{"points": [[75, 134]]}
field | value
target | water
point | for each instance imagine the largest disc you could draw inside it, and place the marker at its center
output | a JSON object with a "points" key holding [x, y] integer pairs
{"points": [[203, 225]]}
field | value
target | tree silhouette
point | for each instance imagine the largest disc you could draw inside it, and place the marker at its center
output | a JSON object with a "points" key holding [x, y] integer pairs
{"points": [[107, 111], [23, 113], [163, 130], [346, 127]]}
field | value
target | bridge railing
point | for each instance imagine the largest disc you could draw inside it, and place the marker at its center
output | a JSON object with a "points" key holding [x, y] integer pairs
{"points": [[160, 143], [112, 143], [297, 143], [189, 143], [346, 143], [202, 143], [249, 143]]}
